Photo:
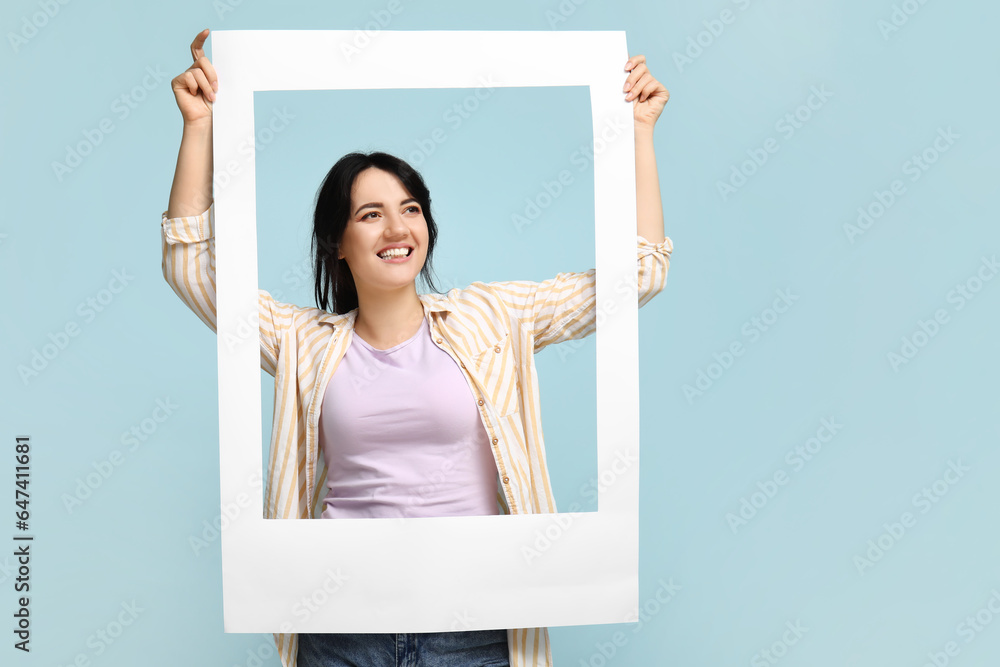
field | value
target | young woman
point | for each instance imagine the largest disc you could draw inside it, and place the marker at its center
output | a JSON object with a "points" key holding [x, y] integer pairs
{"points": [[401, 404]]}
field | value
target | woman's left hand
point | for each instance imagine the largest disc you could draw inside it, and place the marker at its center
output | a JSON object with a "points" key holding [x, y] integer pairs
{"points": [[648, 95]]}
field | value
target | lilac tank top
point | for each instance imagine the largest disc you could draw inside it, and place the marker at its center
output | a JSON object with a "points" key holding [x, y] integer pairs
{"points": [[402, 436]]}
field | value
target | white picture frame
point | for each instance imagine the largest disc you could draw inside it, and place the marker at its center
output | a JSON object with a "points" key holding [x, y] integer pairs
{"points": [[401, 580]]}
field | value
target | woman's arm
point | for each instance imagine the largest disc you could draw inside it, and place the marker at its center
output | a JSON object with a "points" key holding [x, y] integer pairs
{"points": [[194, 90], [648, 207], [191, 192], [188, 225], [564, 307], [648, 99]]}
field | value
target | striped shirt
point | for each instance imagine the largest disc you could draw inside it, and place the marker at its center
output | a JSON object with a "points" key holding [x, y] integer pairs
{"points": [[492, 331]]}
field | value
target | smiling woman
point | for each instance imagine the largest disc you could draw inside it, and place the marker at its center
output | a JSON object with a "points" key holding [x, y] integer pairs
{"points": [[389, 403]]}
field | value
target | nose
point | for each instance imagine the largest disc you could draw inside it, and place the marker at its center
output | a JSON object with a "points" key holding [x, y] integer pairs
{"points": [[395, 226]]}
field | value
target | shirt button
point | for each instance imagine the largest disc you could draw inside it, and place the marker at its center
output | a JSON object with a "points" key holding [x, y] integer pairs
{"points": [[439, 340], [496, 349], [506, 480], [480, 401], [494, 441]]}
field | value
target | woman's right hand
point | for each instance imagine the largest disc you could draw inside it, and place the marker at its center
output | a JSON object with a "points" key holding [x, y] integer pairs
{"points": [[195, 88]]}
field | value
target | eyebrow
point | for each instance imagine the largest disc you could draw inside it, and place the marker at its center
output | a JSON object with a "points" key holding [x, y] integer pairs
{"points": [[378, 204]]}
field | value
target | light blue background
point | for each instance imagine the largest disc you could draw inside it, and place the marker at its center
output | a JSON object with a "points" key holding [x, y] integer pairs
{"points": [[826, 357]]}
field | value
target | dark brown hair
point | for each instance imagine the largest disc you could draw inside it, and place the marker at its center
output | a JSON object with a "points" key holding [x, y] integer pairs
{"points": [[335, 288]]}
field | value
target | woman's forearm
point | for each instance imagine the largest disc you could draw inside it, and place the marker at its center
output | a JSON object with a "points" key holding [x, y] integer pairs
{"points": [[191, 192], [648, 206]]}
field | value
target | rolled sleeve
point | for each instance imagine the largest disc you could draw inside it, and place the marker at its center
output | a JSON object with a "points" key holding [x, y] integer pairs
{"points": [[653, 263], [189, 268]]}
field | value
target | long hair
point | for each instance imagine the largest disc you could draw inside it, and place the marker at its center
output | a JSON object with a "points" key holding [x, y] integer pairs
{"points": [[335, 288]]}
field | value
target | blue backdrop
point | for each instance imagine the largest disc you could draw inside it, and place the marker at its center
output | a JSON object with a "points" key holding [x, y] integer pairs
{"points": [[817, 378]]}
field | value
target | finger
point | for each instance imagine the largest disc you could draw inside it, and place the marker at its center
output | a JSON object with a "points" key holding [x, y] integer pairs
{"points": [[186, 80], [206, 65], [633, 61], [196, 46], [651, 89], [637, 72], [206, 87], [638, 86]]}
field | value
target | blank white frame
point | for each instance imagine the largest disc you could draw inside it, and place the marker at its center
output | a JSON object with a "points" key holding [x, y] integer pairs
{"points": [[308, 575]]}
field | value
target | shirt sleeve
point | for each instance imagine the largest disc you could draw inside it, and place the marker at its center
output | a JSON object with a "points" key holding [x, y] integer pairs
{"points": [[189, 268], [564, 307]]}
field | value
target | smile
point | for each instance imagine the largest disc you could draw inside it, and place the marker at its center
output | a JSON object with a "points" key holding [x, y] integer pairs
{"points": [[396, 255]]}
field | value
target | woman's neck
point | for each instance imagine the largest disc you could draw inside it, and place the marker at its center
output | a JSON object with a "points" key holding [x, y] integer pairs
{"points": [[388, 319]]}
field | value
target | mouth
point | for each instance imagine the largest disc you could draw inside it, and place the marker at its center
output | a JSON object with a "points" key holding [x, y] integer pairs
{"points": [[395, 255]]}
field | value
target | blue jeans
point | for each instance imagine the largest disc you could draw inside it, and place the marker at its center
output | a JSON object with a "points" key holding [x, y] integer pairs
{"points": [[472, 648]]}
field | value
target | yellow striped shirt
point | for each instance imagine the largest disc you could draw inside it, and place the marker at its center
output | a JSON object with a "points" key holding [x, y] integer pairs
{"points": [[492, 330]]}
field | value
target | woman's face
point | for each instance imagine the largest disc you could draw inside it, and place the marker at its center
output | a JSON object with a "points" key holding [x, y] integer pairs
{"points": [[383, 214]]}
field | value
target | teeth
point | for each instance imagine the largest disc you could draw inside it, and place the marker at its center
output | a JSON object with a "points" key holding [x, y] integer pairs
{"points": [[394, 252]]}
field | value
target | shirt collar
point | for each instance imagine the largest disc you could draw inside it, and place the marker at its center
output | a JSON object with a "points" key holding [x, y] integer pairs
{"points": [[433, 303]]}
